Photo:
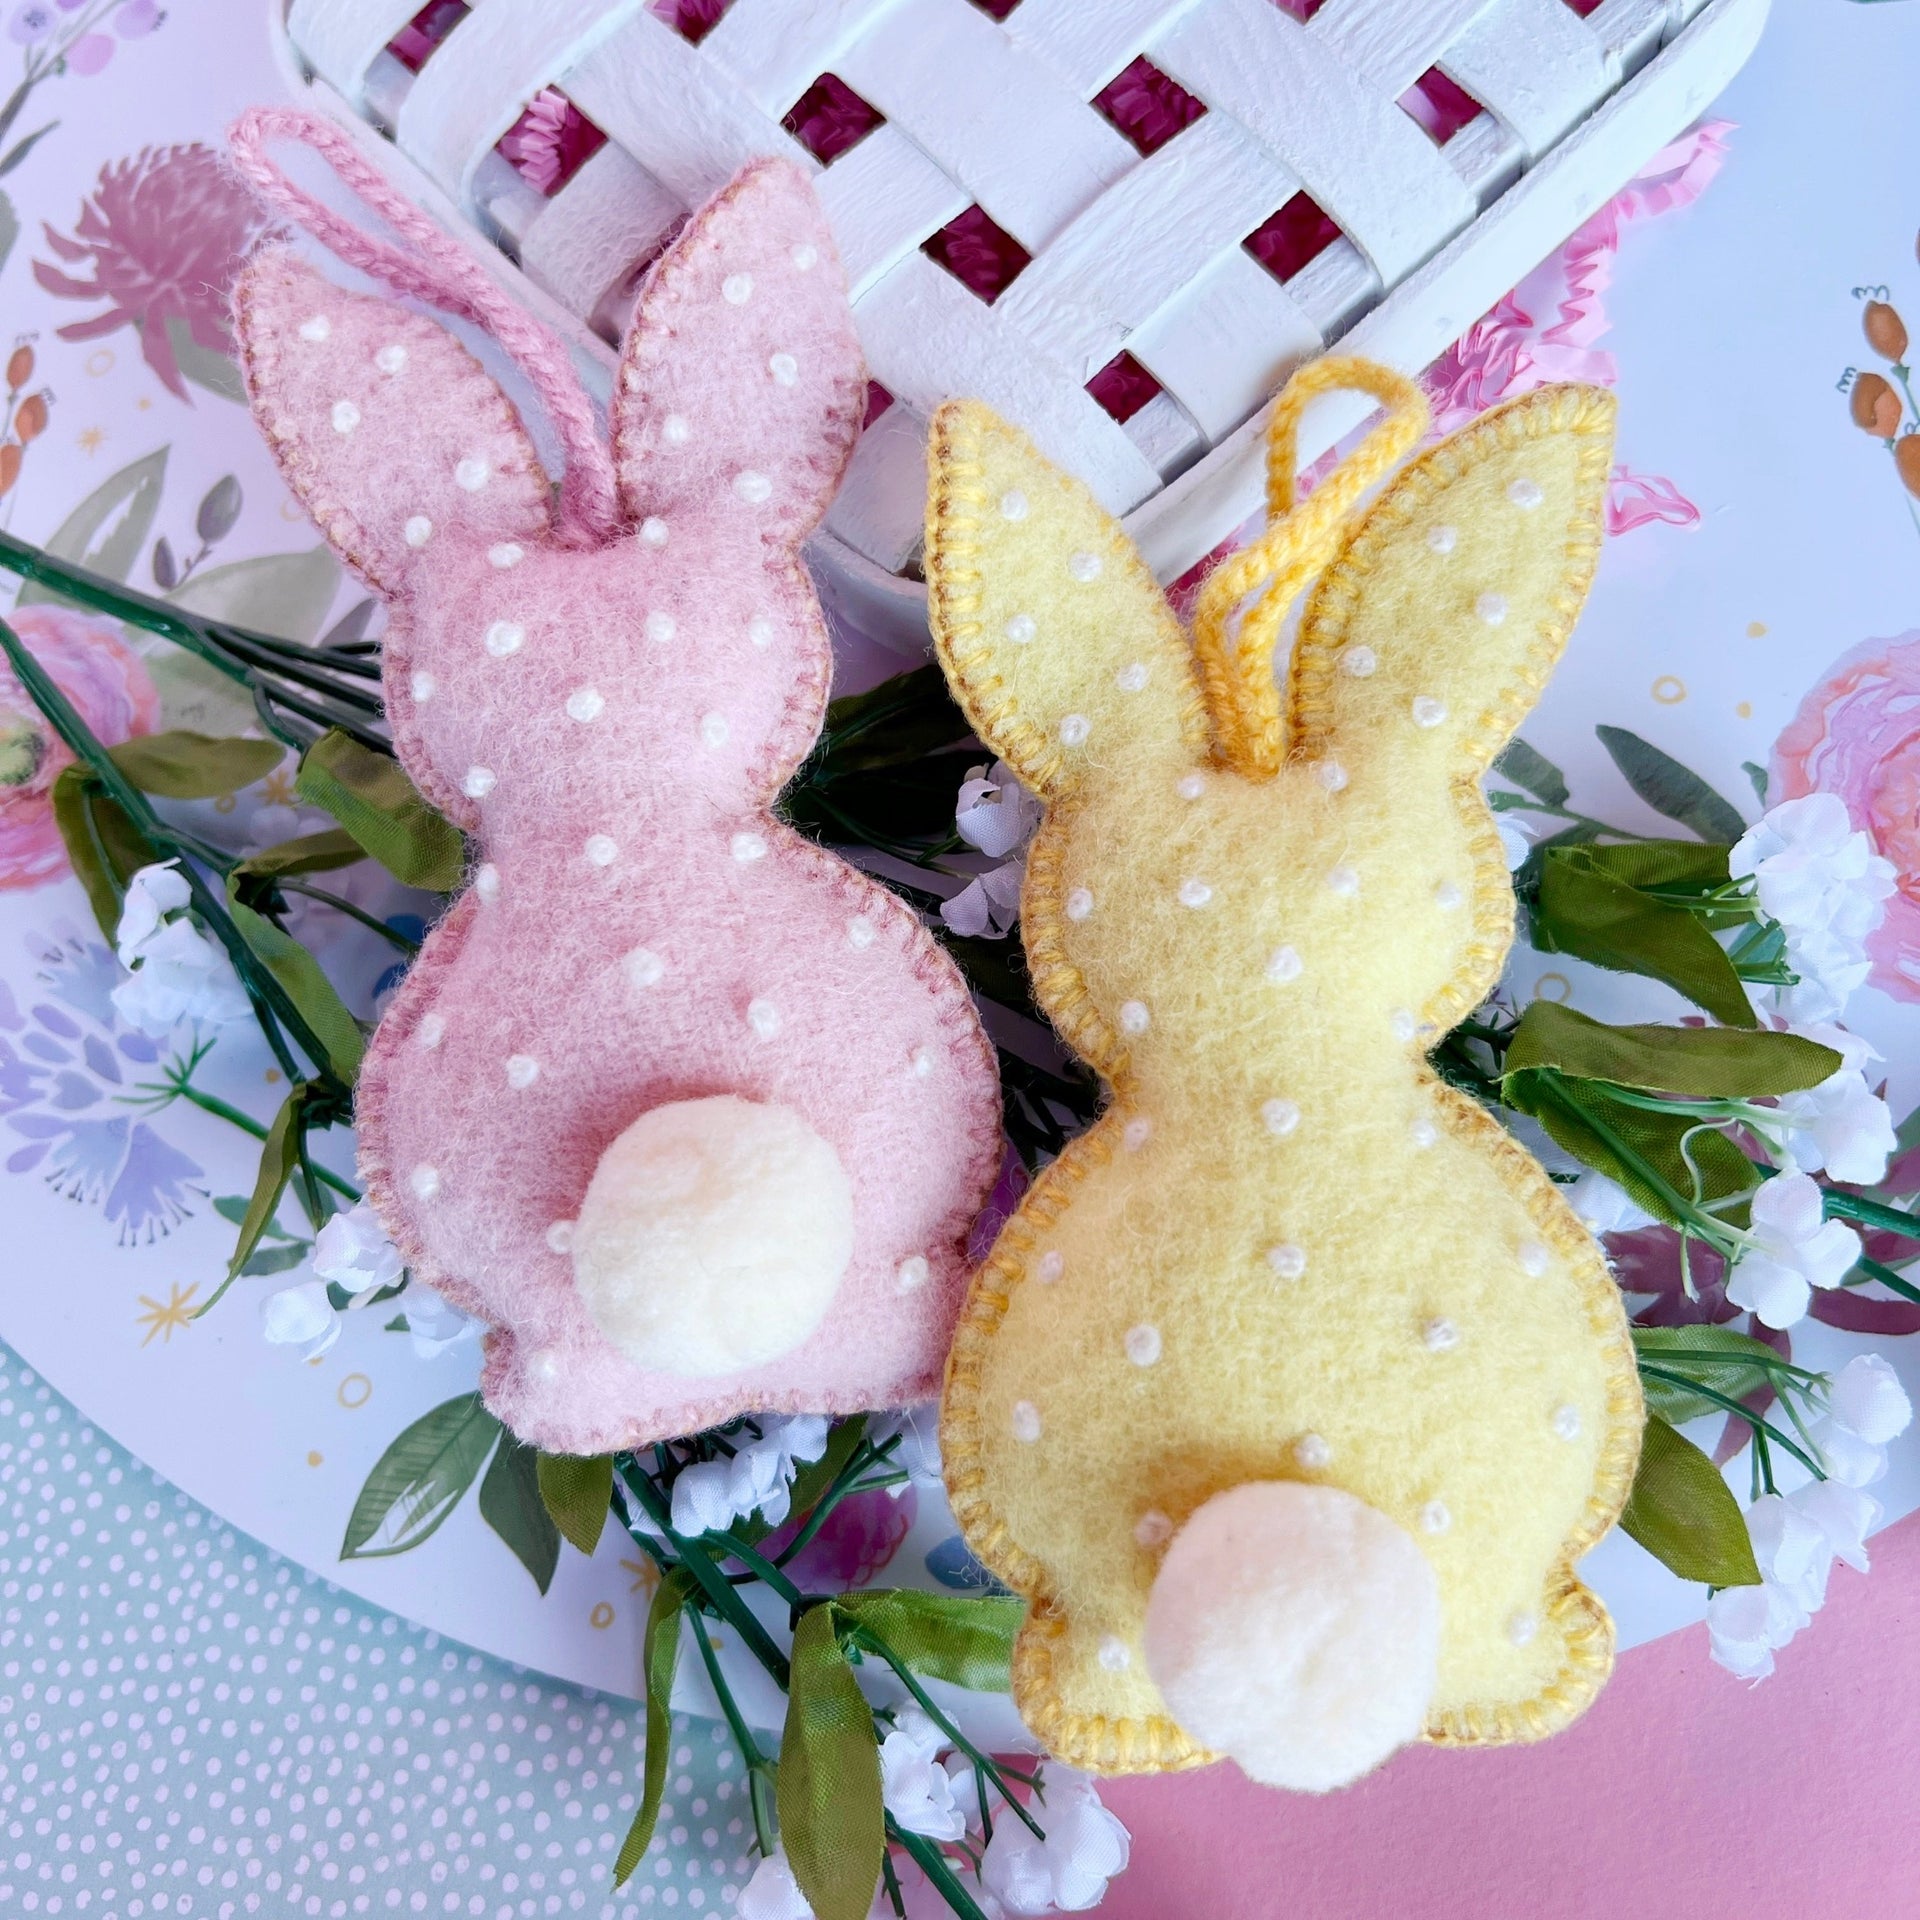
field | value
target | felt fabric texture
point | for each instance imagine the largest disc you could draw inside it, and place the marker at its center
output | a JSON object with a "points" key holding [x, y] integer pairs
{"points": [[1286, 1251], [613, 719]]}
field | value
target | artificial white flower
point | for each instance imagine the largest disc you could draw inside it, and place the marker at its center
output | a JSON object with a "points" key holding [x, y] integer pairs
{"points": [[152, 894], [915, 1788], [1819, 877], [918, 1454], [712, 1494], [352, 1250], [1068, 1870], [1793, 1249], [772, 1893], [1841, 1124], [1867, 1407], [301, 1316], [995, 815], [175, 972], [433, 1325], [1604, 1206], [1516, 843]]}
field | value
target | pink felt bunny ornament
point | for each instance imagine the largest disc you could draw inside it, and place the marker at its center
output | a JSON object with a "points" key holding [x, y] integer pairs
{"points": [[694, 1114]]}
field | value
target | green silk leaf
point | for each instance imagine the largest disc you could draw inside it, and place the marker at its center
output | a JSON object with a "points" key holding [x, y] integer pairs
{"points": [[1684, 1514], [832, 1823], [370, 795], [1699, 1063], [659, 1652], [966, 1639], [195, 766], [578, 1494]]}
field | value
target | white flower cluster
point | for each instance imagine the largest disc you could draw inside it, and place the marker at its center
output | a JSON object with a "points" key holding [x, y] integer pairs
{"points": [[1020, 1874], [994, 815], [758, 1478], [352, 1252], [1797, 1536], [175, 972], [1793, 1249], [1819, 877]]}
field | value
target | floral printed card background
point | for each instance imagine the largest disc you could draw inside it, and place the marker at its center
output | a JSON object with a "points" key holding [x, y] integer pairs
{"points": [[1764, 570]]}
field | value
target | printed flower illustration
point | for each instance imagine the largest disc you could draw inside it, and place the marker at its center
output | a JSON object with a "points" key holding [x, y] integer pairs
{"points": [[164, 233], [103, 677], [1857, 735], [66, 1069]]}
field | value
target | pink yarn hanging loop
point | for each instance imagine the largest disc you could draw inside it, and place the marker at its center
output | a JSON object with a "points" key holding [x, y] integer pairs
{"points": [[434, 268]]}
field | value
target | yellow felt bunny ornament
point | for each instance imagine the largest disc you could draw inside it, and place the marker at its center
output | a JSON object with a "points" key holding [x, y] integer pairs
{"points": [[1293, 1391]]}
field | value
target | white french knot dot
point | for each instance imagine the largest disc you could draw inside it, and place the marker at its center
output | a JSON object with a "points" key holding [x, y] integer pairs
{"points": [[1194, 892], [1025, 1422], [391, 359], [764, 1018], [1332, 775], [418, 530], [1521, 1628], [1424, 1134], [737, 289], [601, 849], [714, 731], [346, 416], [1013, 504], [1401, 1023], [560, 1236], [1190, 786], [661, 627], [1434, 1517], [752, 487], [1137, 1132], [316, 328], [746, 847], [1131, 679], [1492, 608], [522, 1070], [1074, 728], [1443, 539], [912, 1273], [1143, 1344], [1020, 629], [784, 368], [1287, 1260], [1344, 881], [760, 630], [478, 783], [1134, 1017], [432, 1030], [675, 431], [504, 637], [505, 553], [1533, 1258], [425, 1181], [1280, 1117], [1448, 896], [1152, 1529], [544, 1364], [1428, 712], [653, 530], [472, 474], [1284, 964], [1440, 1335], [1312, 1452], [920, 1062], [1053, 1263], [1358, 662], [1566, 1422], [585, 704], [1084, 567], [1526, 494], [1079, 903], [860, 932], [486, 882], [1113, 1653], [422, 686], [644, 967], [804, 257]]}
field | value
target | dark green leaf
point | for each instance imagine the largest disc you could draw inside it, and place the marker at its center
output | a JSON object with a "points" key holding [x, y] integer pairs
{"points": [[659, 1655], [108, 530], [1732, 1364], [1758, 777], [1682, 1512], [963, 1638], [103, 845], [194, 766], [510, 1504], [1705, 1063], [578, 1494], [21, 148], [300, 978], [310, 853], [1671, 789], [233, 1207], [278, 1158], [828, 1794], [277, 1259], [994, 969], [900, 721], [420, 1478], [1592, 903], [218, 510], [371, 796], [1532, 770]]}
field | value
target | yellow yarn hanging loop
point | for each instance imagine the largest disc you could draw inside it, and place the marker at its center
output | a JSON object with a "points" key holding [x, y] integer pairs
{"points": [[1236, 665]]}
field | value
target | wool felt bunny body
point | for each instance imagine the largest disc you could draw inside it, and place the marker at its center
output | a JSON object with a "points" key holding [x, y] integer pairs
{"points": [[693, 1113], [1293, 1390]]}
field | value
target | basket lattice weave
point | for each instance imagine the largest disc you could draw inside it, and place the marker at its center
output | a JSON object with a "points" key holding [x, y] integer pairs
{"points": [[1153, 314]]}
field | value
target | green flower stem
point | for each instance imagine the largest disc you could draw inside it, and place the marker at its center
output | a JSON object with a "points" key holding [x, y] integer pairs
{"points": [[1870, 1213], [1873, 1270], [213, 1104], [392, 937], [841, 1485], [762, 1569], [1756, 1421], [939, 1871], [759, 1768]]}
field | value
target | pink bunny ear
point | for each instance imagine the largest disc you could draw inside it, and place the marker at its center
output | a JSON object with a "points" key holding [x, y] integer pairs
{"points": [[392, 434], [741, 388]]}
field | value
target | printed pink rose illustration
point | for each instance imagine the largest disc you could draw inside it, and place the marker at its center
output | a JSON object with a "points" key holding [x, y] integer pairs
{"points": [[1857, 735], [165, 232], [105, 680]]}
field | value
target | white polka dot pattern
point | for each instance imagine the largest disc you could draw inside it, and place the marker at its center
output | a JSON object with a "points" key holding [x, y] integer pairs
{"points": [[191, 1726]]}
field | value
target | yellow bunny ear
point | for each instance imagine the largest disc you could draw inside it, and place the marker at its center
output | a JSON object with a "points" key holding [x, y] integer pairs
{"points": [[1054, 635], [1436, 629]]}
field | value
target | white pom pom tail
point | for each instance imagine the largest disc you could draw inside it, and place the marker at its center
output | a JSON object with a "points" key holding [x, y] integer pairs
{"points": [[1297, 1630]]}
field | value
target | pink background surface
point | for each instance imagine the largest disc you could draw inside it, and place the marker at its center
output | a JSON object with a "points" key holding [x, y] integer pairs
{"points": [[1682, 1793]]}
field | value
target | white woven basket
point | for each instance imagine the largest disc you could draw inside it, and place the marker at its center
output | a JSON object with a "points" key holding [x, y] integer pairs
{"points": [[1133, 253]]}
